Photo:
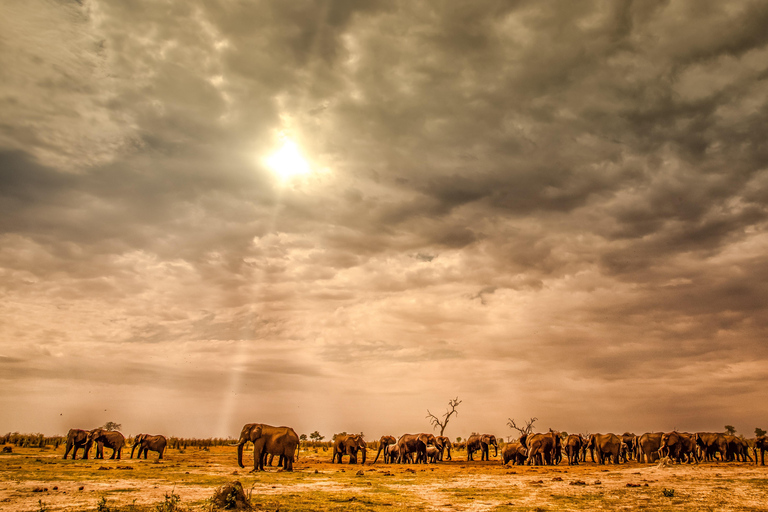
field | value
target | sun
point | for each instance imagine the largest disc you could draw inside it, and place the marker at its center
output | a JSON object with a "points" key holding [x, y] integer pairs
{"points": [[287, 161]]}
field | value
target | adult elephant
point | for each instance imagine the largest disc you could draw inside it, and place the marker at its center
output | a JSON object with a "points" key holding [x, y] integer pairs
{"points": [[647, 447], [268, 440], [109, 438], [629, 439], [76, 439], [482, 442], [415, 444], [737, 449], [761, 445], [444, 444], [712, 443], [573, 444], [348, 444], [542, 448], [515, 453], [607, 447], [147, 442], [679, 446], [384, 442]]}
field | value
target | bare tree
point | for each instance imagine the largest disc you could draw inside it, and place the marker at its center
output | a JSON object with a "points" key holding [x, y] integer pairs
{"points": [[527, 429], [436, 422]]}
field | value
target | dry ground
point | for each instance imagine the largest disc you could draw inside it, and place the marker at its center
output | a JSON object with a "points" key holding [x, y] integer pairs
{"points": [[34, 480]]}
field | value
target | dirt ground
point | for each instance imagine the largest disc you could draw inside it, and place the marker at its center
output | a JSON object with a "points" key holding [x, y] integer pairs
{"points": [[39, 480]]}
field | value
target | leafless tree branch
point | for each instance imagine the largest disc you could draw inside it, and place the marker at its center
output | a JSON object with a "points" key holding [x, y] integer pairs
{"points": [[528, 429], [436, 422]]}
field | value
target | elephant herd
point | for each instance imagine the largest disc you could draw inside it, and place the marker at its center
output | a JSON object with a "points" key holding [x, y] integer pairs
{"points": [[412, 448], [77, 439], [646, 448], [532, 449], [549, 448]]}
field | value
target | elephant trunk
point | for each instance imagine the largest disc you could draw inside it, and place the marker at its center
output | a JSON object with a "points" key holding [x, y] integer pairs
{"points": [[240, 452], [364, 454], [495, 450], [133, 448]]}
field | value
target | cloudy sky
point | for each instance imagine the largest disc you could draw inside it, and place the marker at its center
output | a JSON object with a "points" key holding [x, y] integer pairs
{"points": [[337, 214]]}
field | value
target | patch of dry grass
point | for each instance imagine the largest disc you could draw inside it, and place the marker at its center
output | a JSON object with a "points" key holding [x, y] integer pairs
{"points": [[33, 478]]}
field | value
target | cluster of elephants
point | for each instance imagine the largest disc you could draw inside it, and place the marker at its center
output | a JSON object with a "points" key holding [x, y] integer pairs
{"points": [[85, 439], [549, 448], [646, 448], [532, 449]]}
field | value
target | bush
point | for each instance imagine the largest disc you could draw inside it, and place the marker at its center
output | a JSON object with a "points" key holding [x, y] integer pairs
{"points": [[102, 506], [669, 493], [172, 503]]}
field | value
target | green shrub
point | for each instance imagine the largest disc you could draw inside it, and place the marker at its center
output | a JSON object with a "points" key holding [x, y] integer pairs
{"points": [[669, 493]]}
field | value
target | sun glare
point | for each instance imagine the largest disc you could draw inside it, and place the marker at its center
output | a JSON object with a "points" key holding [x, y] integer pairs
{"points": [[287, 161]]}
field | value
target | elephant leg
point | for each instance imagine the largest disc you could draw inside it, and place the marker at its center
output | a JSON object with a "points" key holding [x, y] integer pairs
{"points": [[256, 457]]}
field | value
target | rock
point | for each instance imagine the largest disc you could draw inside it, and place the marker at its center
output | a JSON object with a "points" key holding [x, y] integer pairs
{"points": [[360, 473], [230, 496]]}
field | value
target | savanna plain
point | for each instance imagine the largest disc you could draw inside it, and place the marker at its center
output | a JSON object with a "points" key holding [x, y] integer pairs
{"points": [[38, 479]]}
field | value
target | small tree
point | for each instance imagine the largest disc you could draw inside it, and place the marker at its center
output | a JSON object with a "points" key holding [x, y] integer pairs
{"points": [[458, 439], [730, 430], [316, 437], [759, 432], [303, 437], [436, 422], [527, 429], [111, 425]]}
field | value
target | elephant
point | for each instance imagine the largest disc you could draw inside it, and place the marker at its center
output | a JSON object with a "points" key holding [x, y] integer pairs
{"points": [[515, 453], [76, 439], [606, 446], [392, 453], [761, 445], [629, 439], [445, 444], [542, 448], [737, 449], [348, 444], [677, 445], [573, 444], [109, 438], [147, 442], [268, 440], [647, 447], [433, 453], [414, 444], [712, 443], [482, 442], [384, 442]]}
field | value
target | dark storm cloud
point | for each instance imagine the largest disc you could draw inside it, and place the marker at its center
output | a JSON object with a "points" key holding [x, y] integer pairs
{"points": [[567, 196]]}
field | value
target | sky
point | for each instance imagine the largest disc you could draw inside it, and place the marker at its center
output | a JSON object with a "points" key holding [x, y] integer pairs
{"points": [[338, 215]]}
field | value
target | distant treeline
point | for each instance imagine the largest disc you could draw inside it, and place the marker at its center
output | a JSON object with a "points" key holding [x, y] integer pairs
{"points": [[32, 440], [182, 443]]}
